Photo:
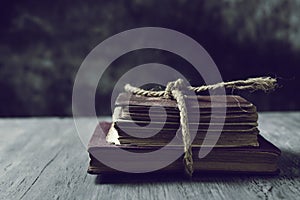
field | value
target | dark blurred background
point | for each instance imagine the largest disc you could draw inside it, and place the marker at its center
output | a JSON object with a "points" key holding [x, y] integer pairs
{"points": [[44, 42]]}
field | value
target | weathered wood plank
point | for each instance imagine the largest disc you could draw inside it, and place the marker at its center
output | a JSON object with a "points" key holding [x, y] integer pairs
{"points": [[43, 158]]}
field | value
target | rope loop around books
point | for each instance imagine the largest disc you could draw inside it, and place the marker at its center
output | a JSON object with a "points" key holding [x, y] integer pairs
{"points": [[174, 89]]}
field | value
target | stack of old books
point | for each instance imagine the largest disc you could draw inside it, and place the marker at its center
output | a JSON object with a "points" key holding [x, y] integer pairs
{"points": [[143, 124]]}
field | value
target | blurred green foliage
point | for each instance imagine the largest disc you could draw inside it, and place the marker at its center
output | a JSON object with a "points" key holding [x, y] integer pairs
{"points": [[43, 44]]}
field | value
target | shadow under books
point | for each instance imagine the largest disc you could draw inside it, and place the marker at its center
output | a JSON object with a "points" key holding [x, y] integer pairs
{"points": [[289, 168]]}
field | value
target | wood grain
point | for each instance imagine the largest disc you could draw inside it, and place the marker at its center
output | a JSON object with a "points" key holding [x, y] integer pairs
{"points": [[43, 158]]}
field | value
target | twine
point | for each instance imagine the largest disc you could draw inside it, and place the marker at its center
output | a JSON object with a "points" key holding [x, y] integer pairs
{"points": [[174, 89]]}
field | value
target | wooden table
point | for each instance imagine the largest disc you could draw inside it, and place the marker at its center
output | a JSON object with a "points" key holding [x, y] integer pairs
{"points": [[43, 158]]}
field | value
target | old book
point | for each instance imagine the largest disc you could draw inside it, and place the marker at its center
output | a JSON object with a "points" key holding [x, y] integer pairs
{"points": [[131, 116], [260, 159]]}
